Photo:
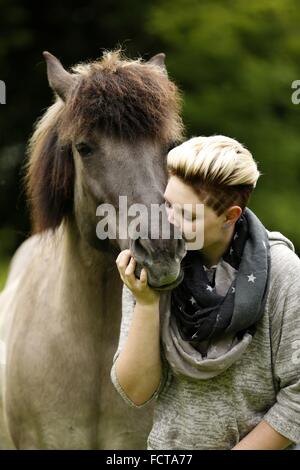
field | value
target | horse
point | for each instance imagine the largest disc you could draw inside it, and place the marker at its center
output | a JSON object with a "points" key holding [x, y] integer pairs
{"points": [[106, 134]]}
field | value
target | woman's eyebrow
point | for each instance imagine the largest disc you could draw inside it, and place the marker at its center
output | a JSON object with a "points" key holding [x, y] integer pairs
{"points": [[176, 203]]}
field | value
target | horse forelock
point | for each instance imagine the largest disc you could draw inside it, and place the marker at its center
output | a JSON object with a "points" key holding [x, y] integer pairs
{"points": [[125, 98]]}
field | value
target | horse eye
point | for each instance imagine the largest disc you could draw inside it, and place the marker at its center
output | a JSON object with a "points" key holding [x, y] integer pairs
{"points": [[84, 149]]}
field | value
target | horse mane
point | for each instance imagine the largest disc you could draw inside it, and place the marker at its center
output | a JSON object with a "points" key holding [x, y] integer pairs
{"points": [[123, 98]]}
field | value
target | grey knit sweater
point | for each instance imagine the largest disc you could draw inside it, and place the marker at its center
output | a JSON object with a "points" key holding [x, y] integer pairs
{"points": [[263, 384]]}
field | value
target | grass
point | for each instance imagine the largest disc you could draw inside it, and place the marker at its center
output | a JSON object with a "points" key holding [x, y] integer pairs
{"points": [[4, 264]]}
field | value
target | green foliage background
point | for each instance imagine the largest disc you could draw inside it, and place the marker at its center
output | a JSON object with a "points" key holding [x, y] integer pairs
{"points": [[234, 61]]}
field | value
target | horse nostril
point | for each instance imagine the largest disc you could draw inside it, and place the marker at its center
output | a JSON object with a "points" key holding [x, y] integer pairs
{"points": [[142, 251], [142, 247], [138, 250], [145, 252], [141, 255], [181, 249]]}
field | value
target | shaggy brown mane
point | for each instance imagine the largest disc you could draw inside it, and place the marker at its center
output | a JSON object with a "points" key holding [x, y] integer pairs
{"points": [[123, 98], [128, 99]]}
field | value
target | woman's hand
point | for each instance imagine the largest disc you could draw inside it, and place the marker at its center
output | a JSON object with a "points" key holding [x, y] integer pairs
{"points": [[139, 287]]}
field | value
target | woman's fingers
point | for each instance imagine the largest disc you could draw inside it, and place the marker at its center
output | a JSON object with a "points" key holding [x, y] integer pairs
{"points": [[123, 258], [126, 266], [143, 277], [122, 262], [129, 271]]}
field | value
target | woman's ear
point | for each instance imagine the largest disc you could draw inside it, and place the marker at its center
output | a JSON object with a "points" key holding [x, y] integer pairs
{"points": [[232, 215]]}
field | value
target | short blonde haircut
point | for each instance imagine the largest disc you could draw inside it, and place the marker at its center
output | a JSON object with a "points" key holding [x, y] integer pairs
{"points": [[220, 169]]}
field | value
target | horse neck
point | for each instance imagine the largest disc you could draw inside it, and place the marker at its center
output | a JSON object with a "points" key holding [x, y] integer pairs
{"points": [[87, 277]]}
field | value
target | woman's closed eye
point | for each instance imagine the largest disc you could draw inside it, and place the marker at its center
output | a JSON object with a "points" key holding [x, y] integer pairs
{"points": [[190, 218]]}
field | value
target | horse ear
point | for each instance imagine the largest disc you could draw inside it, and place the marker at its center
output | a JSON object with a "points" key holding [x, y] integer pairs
{"points": [[59, 79], [159, 60]]}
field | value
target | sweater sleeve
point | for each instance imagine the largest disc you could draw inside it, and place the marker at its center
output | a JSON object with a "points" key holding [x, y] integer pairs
{"points": [[128, 304], [284, 415]]}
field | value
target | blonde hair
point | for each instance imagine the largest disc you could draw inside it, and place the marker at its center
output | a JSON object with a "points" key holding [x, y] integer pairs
{"points": [[220, 169]]}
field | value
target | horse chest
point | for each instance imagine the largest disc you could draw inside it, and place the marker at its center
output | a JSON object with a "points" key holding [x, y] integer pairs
{"points": [[58, 384]]}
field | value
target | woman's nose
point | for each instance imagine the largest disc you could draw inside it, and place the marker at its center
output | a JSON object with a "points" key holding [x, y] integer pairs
{"points": [[170, 213], [172, 220]]}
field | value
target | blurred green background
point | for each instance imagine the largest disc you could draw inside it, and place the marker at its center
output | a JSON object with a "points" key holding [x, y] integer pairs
{"points": [[234, 61]]}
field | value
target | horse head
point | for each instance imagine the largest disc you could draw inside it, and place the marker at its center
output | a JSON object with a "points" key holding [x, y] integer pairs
{"points": [[107, 135]]}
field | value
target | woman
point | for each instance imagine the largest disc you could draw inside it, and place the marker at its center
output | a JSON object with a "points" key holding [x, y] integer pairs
{"points": [[220, 353]]}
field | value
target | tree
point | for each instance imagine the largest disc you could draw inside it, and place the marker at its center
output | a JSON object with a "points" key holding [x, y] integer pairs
{"points": [[235, 62]]}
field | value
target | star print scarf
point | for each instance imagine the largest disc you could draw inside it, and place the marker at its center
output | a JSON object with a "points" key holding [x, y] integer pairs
{"points": [[200, 316]]}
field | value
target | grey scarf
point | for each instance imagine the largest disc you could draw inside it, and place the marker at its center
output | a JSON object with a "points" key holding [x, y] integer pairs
{"points": [[241, 297]]}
